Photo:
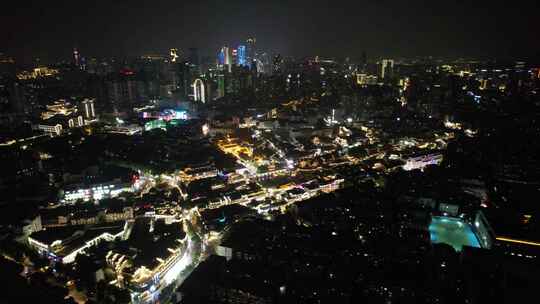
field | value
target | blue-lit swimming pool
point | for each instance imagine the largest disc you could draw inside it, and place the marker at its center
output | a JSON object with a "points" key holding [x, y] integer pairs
{"points": [[452, 231]]}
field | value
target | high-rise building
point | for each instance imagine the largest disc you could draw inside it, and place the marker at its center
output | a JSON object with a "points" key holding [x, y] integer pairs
{"points": [[258, 66], [263, 63], [221, 85], [227, 53], [174, 55], [89, 111], [199, 92], [228, 58], [387, 68], [250, 50], [277, 64], [123, 92], [241, 55], [234, 57], [76, 57], [225, 58], [221, 57]]}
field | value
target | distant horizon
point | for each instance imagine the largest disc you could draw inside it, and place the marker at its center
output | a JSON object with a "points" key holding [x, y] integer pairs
{"points": [[57, 59], [476, 29]]}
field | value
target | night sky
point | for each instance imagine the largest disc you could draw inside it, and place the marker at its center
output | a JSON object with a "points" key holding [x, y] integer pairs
{"points": [[474, 28]]}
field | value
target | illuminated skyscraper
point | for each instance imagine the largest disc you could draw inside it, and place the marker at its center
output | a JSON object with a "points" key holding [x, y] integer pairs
{"points": [[89, 112], [76, 57], [228, 57], [221, 85], [174, 55], [225, 58], [277, 63], [250, 50], [258, 66], [221, 57], [199, 93], [234, 56], [227, 54], [241, 55], [387, 68]]}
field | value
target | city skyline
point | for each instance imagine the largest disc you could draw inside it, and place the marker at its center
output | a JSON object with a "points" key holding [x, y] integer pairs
{"points": [[419, 28]]}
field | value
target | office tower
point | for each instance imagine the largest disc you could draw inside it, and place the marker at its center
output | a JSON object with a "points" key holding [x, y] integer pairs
{"points": [[89, 112], [241, 55], [387, 68], [234, 57], [250, 49], [221, 57], [225, 58], [174, 55], [263, 64], [227, 55], [199, 93], [258, 66], [83, 63], [276, 64], [228, 58], [123, 92], [76, 57], [221, 85]]}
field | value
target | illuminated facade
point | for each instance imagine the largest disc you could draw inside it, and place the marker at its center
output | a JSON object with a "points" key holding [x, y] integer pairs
{"points": [[221, 85], [423, 161], [155, 124], [126, 130], [259, 65], [221, 57], [225, 58], [162, 124], [199, 93], [37, 73], [241, 55], [89, 111], [228, 59], [96, 191], [76, 57], [483, 84], [167, 114], [387, 68], [250, 50], [60, 108], [234, 56], [49, 129], [66, 248], [365, 79], [174, 55]]}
